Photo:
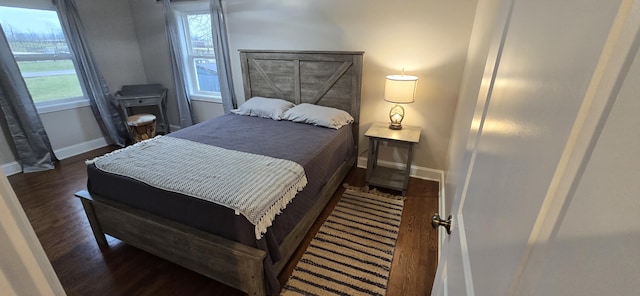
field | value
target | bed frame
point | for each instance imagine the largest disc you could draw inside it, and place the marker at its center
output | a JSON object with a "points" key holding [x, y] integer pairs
{"points": [[324, 78]]}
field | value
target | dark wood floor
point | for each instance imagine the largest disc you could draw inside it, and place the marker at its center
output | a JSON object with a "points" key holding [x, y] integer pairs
{"points": [[61, 225]]}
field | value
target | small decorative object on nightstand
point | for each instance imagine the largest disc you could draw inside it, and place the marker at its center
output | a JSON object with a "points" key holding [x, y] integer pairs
{"points": [[396, 179]]}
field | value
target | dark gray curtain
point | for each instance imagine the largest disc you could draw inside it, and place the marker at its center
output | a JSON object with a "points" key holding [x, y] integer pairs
{"points": [[27, 132], [102, 101], [223, 60], [177, 68]]}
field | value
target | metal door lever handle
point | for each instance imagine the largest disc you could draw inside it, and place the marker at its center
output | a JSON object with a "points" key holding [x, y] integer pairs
{"points": [[437, 221]]}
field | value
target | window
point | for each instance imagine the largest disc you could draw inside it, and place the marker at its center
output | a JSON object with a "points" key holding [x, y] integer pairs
{"points": [[45, 61], [198, 54]]}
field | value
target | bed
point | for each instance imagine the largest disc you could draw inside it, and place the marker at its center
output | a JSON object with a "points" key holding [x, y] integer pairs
{"points": [[216, 241]]}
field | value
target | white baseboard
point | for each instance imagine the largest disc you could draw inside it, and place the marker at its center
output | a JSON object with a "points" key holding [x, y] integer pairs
{"points": [[416, 171], [13, 168], [73, 150], [174, 127]]}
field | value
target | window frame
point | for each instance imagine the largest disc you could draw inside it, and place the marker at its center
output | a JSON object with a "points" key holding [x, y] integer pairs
{"points": [[59, 104], [188, 58]]}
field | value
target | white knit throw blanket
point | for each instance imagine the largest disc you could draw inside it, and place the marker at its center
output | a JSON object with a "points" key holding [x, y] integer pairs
{"points": [[258, 187]]}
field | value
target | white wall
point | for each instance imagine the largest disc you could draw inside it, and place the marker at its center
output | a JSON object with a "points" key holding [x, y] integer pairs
{"points": [[109, 28], [428, 38]]}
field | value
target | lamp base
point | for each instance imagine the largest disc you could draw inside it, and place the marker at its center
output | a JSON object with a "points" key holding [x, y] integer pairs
{"points": [[396, 114], [395, 126]]}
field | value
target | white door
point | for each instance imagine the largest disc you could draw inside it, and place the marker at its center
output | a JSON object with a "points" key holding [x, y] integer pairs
{"points": [[541, 175]]}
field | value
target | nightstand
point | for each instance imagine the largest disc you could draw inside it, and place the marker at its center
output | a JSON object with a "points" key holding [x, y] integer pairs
{"points": [[396, 179], [145, 95]]}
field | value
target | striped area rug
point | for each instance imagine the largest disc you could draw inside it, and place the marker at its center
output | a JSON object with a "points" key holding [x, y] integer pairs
{"points": [[352, 252]]}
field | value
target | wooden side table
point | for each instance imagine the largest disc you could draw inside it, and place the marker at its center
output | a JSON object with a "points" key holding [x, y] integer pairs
{"points": [[396, 179], [145, 95]]}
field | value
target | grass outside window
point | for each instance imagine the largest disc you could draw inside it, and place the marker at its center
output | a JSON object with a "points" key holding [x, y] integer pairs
{"points": [[53, 87], [50, 80], [42, 66]]}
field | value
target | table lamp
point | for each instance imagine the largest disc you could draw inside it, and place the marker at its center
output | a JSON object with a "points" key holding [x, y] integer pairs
{"points": [[399, 89]]}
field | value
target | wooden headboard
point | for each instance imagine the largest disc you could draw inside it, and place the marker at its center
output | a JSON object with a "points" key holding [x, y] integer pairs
{"points": [[326, 78]]}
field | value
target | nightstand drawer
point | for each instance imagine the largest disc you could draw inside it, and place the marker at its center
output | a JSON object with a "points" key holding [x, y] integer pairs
{"points": [[139, 102]]}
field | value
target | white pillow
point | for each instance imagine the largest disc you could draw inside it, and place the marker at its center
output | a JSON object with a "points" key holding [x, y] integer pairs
{"points": [[318, 115], [264, 107]]}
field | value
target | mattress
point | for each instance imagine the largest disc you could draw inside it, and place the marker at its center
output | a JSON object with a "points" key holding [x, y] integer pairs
{"points": [[320, 151]]}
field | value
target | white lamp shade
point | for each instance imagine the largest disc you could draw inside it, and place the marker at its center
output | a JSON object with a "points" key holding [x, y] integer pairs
{"points": [[400, 89]]}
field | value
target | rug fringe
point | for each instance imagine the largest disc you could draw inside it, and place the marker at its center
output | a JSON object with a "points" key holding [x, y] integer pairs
{"points": [[373, 191]]}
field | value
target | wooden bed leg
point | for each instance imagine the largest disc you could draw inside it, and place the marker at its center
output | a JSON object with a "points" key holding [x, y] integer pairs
{"points": [[93, 221], [256, 283]]}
